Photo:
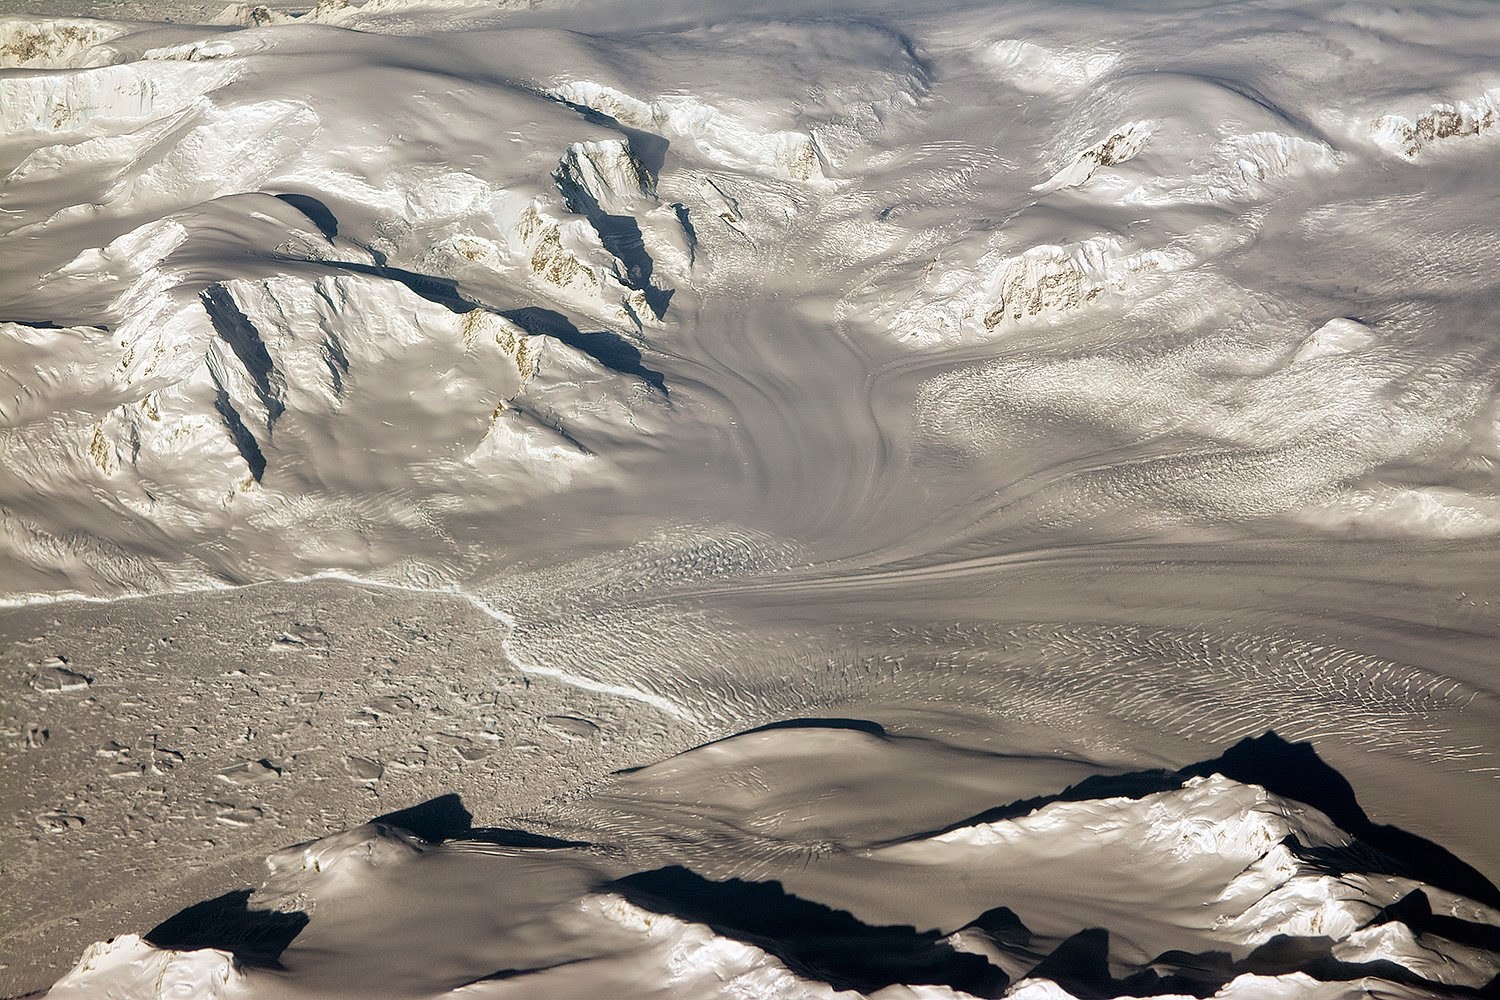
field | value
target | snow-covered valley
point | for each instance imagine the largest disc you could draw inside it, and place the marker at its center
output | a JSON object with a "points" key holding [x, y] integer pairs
{"points": [[740, 500]]}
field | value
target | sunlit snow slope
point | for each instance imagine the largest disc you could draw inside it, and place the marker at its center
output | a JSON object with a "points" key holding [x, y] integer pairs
{"points": [[409, 399], [1190, 883]]}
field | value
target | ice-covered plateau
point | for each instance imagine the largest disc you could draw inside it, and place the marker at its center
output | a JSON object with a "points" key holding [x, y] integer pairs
{"points": [[724, 499]]}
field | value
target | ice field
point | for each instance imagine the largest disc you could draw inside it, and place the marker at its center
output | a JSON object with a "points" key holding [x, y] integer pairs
{"points": [[749, 499]]}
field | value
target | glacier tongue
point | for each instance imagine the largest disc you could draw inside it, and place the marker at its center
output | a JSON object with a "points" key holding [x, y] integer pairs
{"points": [[804, 478]]}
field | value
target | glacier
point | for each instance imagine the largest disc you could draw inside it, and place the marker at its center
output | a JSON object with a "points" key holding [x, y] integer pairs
{"points": [[893, 500]]}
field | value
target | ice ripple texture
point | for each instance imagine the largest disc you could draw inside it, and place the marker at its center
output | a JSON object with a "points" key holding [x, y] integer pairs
{"points": [[1102, 385]]}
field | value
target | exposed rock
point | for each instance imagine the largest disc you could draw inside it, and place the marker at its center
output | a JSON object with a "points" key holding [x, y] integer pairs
{"points": [[1118, 147], [1052, 279], [603, 176], [54, 44], [1443, 123]]}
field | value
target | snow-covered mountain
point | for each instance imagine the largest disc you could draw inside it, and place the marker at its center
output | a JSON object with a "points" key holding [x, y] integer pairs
{"points": [[414, 398], [1124, 215], [1154, 884]]}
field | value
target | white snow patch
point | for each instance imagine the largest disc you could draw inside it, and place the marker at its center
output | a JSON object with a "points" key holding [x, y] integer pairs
{"points": [[1419, 511], [1046, 280], [1241, 168], [512, 443], [1432, 958], [1039, 69], [335, 865], [128, 967], [1337, 336], [1211, 815], [1300, 906], [249, 15], [608, 171], [694, 961], [112, 97], [721, 136], [199, 51]]}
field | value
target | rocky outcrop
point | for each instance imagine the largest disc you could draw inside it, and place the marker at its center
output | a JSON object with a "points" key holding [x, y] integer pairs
{"points": [[609, 186], [1443, 124], [1057, 279], [51, 44], [603, 176], [1117, 147]]}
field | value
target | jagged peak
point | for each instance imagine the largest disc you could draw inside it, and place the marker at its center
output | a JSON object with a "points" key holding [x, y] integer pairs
{"points": [[1445, 125]]}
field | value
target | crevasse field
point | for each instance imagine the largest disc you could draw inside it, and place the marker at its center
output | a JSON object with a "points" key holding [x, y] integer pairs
{"points": [[750, 500]]}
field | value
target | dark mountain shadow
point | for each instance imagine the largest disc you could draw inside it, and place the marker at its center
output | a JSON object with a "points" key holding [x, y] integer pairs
{"points": [[244, 441], [623, 239], [446, 818], [1415, 911], [686, 222], [647, 147], [443, 291], [502, 836], [1080, 965], [609, 349], [253, 937], [1293, 771], [258, 937], [621, 236], [1135, 785], [835, 947], [851, 725], [813, 940], [317, 213], [1314, 956], [505, 975], [238, 331], [442, 818], [1003, 927]]}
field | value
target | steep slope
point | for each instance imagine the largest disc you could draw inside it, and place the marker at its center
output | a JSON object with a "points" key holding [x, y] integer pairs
{"points": [[1267, 894], [408, 399]]}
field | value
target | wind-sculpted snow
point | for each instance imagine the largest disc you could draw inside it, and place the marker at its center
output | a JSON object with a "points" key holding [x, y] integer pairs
{"points": [[1265, 887], [552, 404]]}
